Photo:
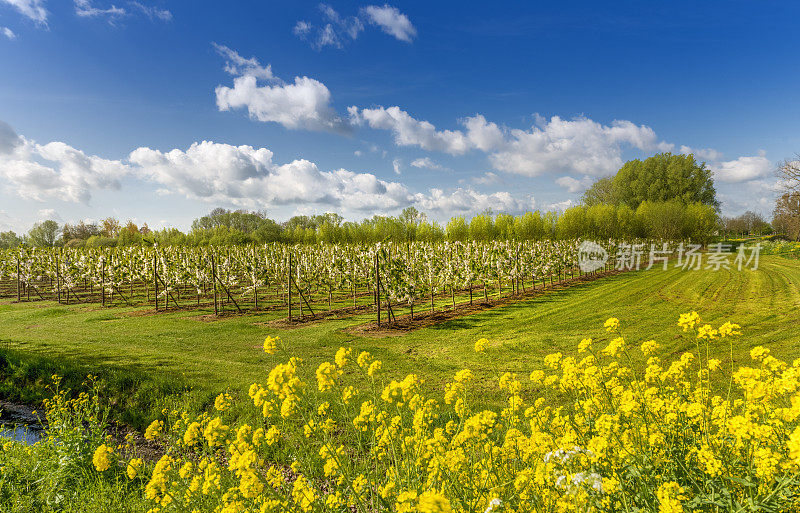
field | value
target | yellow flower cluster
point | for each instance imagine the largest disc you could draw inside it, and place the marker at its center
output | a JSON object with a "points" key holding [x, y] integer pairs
{"points": [[102, 457], [154, 430], [586, 432], [222, 402], [271, 344]]}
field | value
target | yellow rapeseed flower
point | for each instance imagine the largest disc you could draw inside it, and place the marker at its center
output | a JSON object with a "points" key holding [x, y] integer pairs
{"points": [[728, 329], [102, 458], [464, 376], [154, 430], [363, 359], [374, 367], [341, 357], [433, 502], [688, 321], [614, 347], [649, 347], [669, 498], [271, 344], [759, 353], [134, 467], [222, 402], [707, 332], [611, 324], [481, 345], [326, 376], [794, 446]]}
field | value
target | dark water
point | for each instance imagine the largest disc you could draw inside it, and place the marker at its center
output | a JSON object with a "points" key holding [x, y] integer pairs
{"points": [[19, 422], [21, 433]]}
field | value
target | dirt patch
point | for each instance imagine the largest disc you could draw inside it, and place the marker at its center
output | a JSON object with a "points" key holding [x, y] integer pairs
{"points": [[404, 323]]}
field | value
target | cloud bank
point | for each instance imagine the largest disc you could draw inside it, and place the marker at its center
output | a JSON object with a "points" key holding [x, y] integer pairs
{"points": [[218, 173]]}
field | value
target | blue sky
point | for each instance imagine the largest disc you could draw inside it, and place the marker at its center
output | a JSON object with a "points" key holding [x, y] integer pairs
{"points": [[362, 108]]}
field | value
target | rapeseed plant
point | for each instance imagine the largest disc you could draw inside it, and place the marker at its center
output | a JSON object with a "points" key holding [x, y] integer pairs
{"points": [[675, 435]]}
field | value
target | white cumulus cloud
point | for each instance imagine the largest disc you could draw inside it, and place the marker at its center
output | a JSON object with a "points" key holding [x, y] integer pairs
{"points": [[54, 170], [468, 200], [334, 31], [580, 145], [302, 104], [409, 131], [573, 185], [248, 177], [48, 213], [396, 163], [8, 33], [482, 134], [702, 153], [743, 169]]}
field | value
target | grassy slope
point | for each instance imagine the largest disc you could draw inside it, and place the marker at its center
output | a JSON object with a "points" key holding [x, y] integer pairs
{"points": [[145, 356]]}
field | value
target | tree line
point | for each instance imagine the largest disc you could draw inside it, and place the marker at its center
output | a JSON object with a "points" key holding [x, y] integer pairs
{"points": [[650, 220], [665, 196]]}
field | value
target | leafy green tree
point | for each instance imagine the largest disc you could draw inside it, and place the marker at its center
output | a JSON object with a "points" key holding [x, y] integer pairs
{"points": [[530, 226], [100, 241], [44, 234], [481, 227], [268, 231], [110, 227], [430, 232], [664, 177], [700, 222], [80, 231], [504, 227], [660, 178], [626, 221], [601, 191], [786, 217], [746, 224], [9, 239], [129, 235], [601, 220], [572, 223], [660, 219], [457, 229]]}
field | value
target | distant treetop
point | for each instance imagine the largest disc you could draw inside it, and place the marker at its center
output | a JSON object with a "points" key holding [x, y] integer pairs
{"points": [[662, 177]]}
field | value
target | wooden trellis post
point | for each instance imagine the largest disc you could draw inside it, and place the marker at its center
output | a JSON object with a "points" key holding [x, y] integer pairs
{"points": [[19, 292], [214, 282], [289, 288], [58, 279], [155, 279], [103, 281], [377, 289]]}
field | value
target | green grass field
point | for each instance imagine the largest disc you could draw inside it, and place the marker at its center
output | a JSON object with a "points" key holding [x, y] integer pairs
{"points": [[150, 360]]}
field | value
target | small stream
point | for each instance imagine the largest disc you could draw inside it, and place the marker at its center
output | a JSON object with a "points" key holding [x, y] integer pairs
{"points": [[17, 422], [21, 433]]}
